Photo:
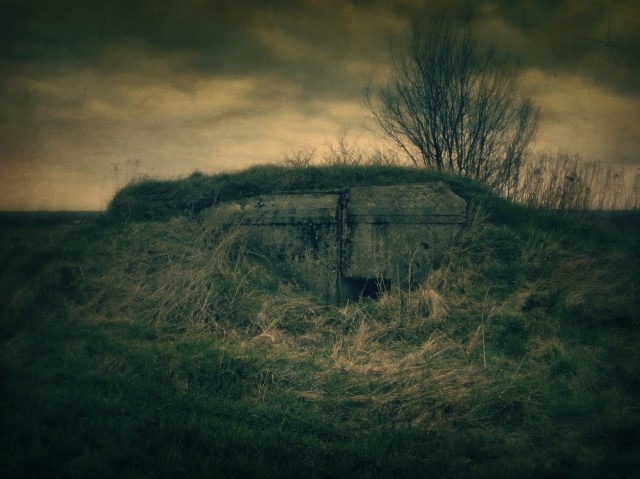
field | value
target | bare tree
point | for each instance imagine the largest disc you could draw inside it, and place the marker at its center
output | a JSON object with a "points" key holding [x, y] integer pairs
{"points": [[453, 106]]}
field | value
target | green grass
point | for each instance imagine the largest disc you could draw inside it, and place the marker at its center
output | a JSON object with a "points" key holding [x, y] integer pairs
{"points": [[163, 348], [162, 199]]}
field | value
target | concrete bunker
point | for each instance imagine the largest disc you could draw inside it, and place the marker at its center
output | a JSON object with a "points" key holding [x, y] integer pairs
{"points": [[354, 242]]}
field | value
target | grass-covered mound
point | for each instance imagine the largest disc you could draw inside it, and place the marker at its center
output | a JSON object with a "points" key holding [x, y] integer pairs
{"points": [[161, 199], [166, 348]]}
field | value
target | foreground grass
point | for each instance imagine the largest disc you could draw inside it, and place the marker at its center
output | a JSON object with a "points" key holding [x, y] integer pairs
{"points": [[166, 348]]}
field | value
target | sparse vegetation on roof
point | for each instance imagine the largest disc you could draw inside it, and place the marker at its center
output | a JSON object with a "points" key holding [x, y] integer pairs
{"points": [[161, 199]]}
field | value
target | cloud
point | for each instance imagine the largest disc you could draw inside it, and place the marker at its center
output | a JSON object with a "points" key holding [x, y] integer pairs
{"points": [[579, 115], [209, 85], [84, 121], [596, 39]]}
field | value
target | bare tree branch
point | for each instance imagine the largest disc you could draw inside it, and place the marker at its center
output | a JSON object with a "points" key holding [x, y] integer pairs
{"points": [[452, 106]]}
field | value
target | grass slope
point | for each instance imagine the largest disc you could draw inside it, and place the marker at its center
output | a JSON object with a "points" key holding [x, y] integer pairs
{"points": [[156, 348], [156, 199]]}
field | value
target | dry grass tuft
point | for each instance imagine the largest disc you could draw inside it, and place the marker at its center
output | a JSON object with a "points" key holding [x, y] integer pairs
{"points": [[565, 183], [592, 278]]}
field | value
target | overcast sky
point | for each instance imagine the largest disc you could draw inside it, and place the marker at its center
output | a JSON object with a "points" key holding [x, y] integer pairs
{"points": [[89, 85]]}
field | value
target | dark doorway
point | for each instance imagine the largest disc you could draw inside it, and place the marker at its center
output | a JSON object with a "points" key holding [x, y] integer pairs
{"points": [[368, 287]]}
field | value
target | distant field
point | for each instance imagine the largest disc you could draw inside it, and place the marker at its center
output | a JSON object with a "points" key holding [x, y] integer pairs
{"points": [[42, 218], [30, 226]]}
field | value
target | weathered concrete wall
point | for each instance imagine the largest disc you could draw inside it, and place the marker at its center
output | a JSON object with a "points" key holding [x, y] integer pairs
{"points": [[298, 233], [399, 232], [346, 243]]}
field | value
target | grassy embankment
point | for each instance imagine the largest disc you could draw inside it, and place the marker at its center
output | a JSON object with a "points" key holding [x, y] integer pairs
{"points": [[150, 343]]}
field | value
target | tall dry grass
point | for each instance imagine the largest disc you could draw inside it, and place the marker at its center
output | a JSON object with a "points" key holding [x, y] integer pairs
{"points": [[566, 183], [561, 182], [185, 275]]}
